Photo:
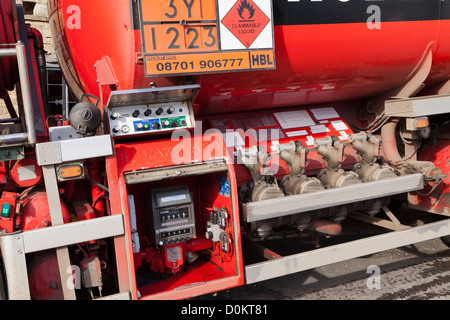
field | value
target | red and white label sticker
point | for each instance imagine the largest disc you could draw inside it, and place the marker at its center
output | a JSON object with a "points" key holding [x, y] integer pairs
{"points": [[246, 21]]}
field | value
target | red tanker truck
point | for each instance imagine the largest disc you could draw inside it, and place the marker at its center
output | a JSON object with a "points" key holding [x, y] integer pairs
{"points": [[205, 129]]}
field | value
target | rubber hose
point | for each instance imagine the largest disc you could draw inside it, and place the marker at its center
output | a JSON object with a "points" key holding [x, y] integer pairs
{"points": [[10, 38], [390, 150], [8, 65], [4, 62]]}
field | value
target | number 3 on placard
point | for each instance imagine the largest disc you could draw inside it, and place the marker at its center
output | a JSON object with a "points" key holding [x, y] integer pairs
{"points": [[195, 34], [174, 10]]}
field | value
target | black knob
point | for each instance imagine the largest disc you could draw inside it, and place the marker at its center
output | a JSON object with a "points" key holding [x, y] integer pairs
{"points": [[174, 123], [159, 111], [136, 113], [116, 129], [155, 125], [114, 115], [148, 112], [171, 110]]}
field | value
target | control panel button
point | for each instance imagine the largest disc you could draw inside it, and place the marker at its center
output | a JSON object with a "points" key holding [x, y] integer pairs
{"points": [[147, 112], [159, 111], [155, 125], [114, 115], [136, 113], [171, 110]]}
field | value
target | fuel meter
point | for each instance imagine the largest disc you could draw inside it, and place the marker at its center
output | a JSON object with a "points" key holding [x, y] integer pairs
{"points": [[173, 219]]}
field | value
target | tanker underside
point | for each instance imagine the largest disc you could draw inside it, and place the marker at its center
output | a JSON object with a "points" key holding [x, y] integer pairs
{"points": [[180, 207]]}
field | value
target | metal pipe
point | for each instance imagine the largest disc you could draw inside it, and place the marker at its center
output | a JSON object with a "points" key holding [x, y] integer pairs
{"points": [[65, 99], [13, 138], [26, 94], [8, 52], [13, 120]]}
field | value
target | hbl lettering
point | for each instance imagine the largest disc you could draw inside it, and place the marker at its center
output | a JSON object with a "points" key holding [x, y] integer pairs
{"points": [[261, 60]]}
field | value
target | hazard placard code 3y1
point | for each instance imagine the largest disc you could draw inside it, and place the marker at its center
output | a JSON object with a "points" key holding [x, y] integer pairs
{"points": [[204, 36]]}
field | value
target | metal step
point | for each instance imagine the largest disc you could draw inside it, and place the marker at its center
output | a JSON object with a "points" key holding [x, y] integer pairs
{"points": [[274, 208], [320, 257]]}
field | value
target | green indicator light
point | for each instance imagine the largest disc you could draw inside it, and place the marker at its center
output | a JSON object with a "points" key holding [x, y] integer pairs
{"points": [[146, 126], [6, 209]]}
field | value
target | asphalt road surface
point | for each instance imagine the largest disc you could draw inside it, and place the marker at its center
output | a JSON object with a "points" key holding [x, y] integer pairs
{"points": [[416, 272]]}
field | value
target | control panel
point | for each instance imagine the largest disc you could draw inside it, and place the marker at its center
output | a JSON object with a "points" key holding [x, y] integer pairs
{"points": [[172, 219], [150, 118], [149, 111]]}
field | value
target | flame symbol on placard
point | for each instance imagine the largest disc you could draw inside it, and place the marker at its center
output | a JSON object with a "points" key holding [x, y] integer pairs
{"points": [[245, 10]]}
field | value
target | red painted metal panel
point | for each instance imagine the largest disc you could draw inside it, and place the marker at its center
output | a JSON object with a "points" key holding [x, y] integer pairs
{"points": [[222, 271]]}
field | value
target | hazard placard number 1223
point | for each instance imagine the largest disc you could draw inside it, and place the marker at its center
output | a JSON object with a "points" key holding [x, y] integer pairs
{"points": [[171, 38], [176, 26]]}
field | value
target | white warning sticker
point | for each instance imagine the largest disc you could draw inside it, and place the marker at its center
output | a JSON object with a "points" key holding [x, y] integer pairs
{"points": [[294, 119], [324, 113]]}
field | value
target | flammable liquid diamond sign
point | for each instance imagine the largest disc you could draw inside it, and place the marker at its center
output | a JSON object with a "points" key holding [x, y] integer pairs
{"points": [[246, 21]]}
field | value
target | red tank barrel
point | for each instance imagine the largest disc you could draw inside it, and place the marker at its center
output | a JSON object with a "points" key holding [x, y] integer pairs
{"points": [[323, 52]]}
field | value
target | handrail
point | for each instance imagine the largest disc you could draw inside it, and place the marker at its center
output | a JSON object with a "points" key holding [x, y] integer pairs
{"points": [[28, 137]]}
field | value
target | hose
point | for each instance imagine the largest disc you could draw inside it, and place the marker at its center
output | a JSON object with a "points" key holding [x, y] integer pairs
{"points": [[41, 65], [8, 65], [390, 150]]}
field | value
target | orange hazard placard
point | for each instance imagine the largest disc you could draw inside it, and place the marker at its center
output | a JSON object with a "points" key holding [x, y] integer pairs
{"points": [[204, 36]]}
